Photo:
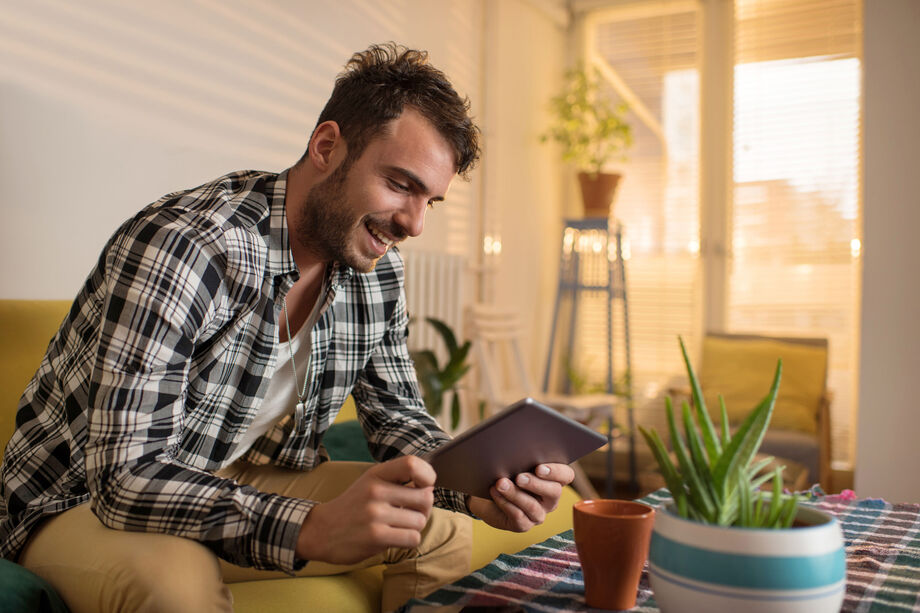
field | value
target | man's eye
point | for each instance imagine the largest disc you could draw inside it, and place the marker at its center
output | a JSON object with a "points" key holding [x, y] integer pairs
{"points": [[399, 186]]}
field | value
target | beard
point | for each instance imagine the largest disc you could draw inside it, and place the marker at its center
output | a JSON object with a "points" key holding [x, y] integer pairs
{"points": [[323, 228], [329, 227]]}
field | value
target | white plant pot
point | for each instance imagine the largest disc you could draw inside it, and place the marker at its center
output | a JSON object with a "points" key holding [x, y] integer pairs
{"points": [[701, 567]]}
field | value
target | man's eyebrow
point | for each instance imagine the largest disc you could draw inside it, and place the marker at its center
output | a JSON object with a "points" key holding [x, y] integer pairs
{"points": [[414, 178]]}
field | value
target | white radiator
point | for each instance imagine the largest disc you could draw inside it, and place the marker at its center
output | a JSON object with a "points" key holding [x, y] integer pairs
{"points": [[435, 287]]}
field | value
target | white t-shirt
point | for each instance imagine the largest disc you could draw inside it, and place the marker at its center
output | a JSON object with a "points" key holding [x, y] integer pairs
{"points": [[284, 387]]}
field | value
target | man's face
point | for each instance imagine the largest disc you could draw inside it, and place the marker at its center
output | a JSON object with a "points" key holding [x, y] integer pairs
{"points": [[356, 213]]}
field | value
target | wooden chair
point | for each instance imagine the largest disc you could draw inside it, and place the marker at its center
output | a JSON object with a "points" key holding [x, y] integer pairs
{"points": [[496, 336], [740, 367]]}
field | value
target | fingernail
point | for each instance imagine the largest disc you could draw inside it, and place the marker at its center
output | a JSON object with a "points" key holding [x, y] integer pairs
{"points": [[503, 486], [543, 471], [523, 479]]}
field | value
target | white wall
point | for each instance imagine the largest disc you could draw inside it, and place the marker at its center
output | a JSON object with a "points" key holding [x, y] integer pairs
{"points": [[525, 49], [888, 452], [107, 105]]}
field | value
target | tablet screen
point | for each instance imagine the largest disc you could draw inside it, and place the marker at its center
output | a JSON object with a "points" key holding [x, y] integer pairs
{"points": [[513, 441]]}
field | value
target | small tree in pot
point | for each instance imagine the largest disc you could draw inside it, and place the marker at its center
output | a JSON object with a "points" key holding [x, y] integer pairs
{"points": [[593, 131], [726, 545]]}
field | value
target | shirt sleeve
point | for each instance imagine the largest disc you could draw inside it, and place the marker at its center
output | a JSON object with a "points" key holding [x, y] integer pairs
{"points": [[163, 287], [390, 406]]}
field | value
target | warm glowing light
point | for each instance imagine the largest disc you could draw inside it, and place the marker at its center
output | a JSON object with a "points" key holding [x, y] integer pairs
{"points": [[492, 245], [568, 241], [855, 247], [694, 247]]}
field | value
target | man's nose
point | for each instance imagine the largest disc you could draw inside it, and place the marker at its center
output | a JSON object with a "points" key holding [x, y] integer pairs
{"points": [[412, 216]]}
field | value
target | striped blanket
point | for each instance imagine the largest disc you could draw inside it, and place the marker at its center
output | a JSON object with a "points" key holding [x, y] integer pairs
{"points": [[882, 547]]}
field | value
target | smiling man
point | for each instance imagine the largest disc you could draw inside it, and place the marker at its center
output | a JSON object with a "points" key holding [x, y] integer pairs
{"points": [[171, 440]]}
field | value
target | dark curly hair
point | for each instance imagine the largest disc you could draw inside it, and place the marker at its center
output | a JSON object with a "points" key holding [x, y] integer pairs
{"points": [[377, 85]]}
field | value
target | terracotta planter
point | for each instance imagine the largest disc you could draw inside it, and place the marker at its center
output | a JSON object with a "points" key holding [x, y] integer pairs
{"points": [[612, 537], [701, 567], [597, 190]]}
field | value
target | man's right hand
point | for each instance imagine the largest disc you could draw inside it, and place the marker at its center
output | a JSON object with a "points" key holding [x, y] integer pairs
{"points": [[388, 506]]}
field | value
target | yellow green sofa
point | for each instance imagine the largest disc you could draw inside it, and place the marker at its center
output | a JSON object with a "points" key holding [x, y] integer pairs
{"points": [[26, 326]]}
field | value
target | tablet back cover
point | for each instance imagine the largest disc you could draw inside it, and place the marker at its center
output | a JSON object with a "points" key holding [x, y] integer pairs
{"points": [[514, 441]]}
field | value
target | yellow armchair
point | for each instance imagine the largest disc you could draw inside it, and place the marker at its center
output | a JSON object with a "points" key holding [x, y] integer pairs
{"points": [[740, 367]]}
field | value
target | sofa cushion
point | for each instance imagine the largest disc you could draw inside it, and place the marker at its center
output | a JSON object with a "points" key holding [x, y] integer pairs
{"points": [[742, 371], [345, 442], [26, 327], [358, 591], [23, 590]]}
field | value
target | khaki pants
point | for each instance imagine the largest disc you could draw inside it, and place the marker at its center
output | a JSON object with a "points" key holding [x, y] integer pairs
{"points": [[97, 569]]}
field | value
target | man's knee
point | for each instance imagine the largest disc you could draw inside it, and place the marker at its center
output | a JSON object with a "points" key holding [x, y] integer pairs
{"points": [[95, 568], [175, 574], [448, 533]]}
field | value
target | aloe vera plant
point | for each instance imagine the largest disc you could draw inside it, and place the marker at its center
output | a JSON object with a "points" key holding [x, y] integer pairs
{"points": [[716, 479]]}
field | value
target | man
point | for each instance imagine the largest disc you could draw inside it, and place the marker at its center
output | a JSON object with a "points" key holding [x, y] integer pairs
{"points": [[177, 417]]}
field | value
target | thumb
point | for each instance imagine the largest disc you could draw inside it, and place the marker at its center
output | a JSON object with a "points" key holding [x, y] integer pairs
{"points": [[405, 469]]}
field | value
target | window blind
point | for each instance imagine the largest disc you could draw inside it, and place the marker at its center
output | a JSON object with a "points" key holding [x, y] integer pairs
{"points": [[653, 50], [795, 218]]}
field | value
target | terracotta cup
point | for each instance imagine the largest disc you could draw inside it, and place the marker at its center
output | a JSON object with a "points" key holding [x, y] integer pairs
{"points": [[612, 538]]}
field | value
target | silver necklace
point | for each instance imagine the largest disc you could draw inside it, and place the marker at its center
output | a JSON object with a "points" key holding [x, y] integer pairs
{"points": [[302, 393]]}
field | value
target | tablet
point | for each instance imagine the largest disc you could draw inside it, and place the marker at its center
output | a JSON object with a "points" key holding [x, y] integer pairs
{"points": [[513, 441]]}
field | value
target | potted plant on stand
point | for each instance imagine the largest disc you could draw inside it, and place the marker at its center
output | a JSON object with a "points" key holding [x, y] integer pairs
{"points": [[725, 544], [593, 132]]}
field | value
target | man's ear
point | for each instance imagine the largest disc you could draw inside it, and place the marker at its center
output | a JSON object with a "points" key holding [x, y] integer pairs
{"points": [[326, 146]]}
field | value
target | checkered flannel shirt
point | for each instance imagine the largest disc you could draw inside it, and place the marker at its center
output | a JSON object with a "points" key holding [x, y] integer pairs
{"points": [[164, 359]]}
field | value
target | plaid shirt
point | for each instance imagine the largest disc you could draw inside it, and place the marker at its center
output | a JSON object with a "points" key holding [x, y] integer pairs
{"points": [[162, 363]]}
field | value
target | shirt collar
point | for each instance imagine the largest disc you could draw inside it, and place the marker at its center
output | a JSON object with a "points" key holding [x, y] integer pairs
{"points": [[281, 258]]}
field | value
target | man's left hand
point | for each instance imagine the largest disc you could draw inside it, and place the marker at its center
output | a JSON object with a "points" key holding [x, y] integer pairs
{"points": [[522, 504]]}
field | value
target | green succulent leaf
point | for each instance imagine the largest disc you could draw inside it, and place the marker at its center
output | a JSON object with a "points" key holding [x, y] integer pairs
{"points": [[746, 441], [754, 472], [776, 500], [788, 513], [714, 477], [671, 476], [745, 508], [696, 489], [726, 425], [709, 432], [698, 455], [759, 513]]}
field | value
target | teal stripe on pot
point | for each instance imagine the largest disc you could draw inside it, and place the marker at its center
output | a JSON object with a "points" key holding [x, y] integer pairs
{"points": [[747, 571]]}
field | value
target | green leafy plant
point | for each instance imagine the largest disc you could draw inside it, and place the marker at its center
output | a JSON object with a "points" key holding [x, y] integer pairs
{"points": [[436, 381], [591, 128], [716, 479], [581, 383]]}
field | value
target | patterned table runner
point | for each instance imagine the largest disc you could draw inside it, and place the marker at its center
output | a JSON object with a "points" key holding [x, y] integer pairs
{"points": [[882, 547]]}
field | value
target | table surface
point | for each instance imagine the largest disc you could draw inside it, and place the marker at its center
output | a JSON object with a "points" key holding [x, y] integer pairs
{"points": [[882, 543]]}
